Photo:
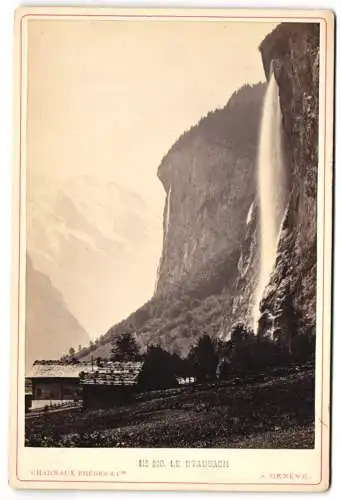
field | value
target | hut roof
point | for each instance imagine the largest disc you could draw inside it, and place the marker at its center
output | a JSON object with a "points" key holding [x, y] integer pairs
{"points": [[123, 373], [57, 370]]}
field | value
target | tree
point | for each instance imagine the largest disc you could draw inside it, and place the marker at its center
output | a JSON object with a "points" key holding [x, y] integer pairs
{"points": [[220, 346], [125, 348], [204, 358], [290, 325], [72, 352], [252, 352], [92, 346], [239, 333], [159, 369], [224, 352], [303, 347]]}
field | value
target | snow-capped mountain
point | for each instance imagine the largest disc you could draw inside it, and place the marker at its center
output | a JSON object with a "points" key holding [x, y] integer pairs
{"points": [[98, 242]]}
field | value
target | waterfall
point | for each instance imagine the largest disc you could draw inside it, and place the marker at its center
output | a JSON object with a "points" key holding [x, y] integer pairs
{"points": [[250, 213], [271, 189], [165, 233], [168, 201]]}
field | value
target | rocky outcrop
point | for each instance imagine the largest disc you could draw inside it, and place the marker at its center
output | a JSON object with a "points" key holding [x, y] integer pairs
{"points": [[289, 302]]}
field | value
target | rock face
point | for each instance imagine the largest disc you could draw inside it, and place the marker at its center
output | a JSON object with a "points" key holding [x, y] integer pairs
{"points": [[289, 301], [50, 328], [210, 179], [243, 291]]}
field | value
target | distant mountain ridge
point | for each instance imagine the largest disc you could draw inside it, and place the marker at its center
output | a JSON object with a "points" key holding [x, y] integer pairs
{"points": [[50, 328], [83, 234]]}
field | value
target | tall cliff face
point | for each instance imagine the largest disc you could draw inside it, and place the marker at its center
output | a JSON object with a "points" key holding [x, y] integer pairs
{"points": [[210, 179], [289, 302]]}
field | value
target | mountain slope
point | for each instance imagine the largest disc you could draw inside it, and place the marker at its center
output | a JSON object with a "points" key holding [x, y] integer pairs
{"points": [[50, 328]]}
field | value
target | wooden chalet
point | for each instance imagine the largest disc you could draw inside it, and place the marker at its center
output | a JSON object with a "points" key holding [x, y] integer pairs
{"points": [[55, 381], [113, 383]]}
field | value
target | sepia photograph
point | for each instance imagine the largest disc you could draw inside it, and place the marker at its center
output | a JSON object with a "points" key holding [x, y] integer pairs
{"points": [[170, 241]]}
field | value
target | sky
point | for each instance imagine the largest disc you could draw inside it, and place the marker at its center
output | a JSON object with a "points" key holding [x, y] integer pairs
{"points": [[109, 98]]}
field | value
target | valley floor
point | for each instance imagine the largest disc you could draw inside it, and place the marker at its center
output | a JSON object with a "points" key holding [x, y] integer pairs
{"points": [[267, 410]]}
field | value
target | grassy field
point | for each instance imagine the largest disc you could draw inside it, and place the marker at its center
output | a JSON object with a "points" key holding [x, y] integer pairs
{"points": [[274, 410]]}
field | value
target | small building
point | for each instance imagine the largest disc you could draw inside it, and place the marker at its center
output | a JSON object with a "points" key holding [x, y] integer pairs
{"points": [[185, 380], [111, 384], [55, 382], [28, 395]]}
